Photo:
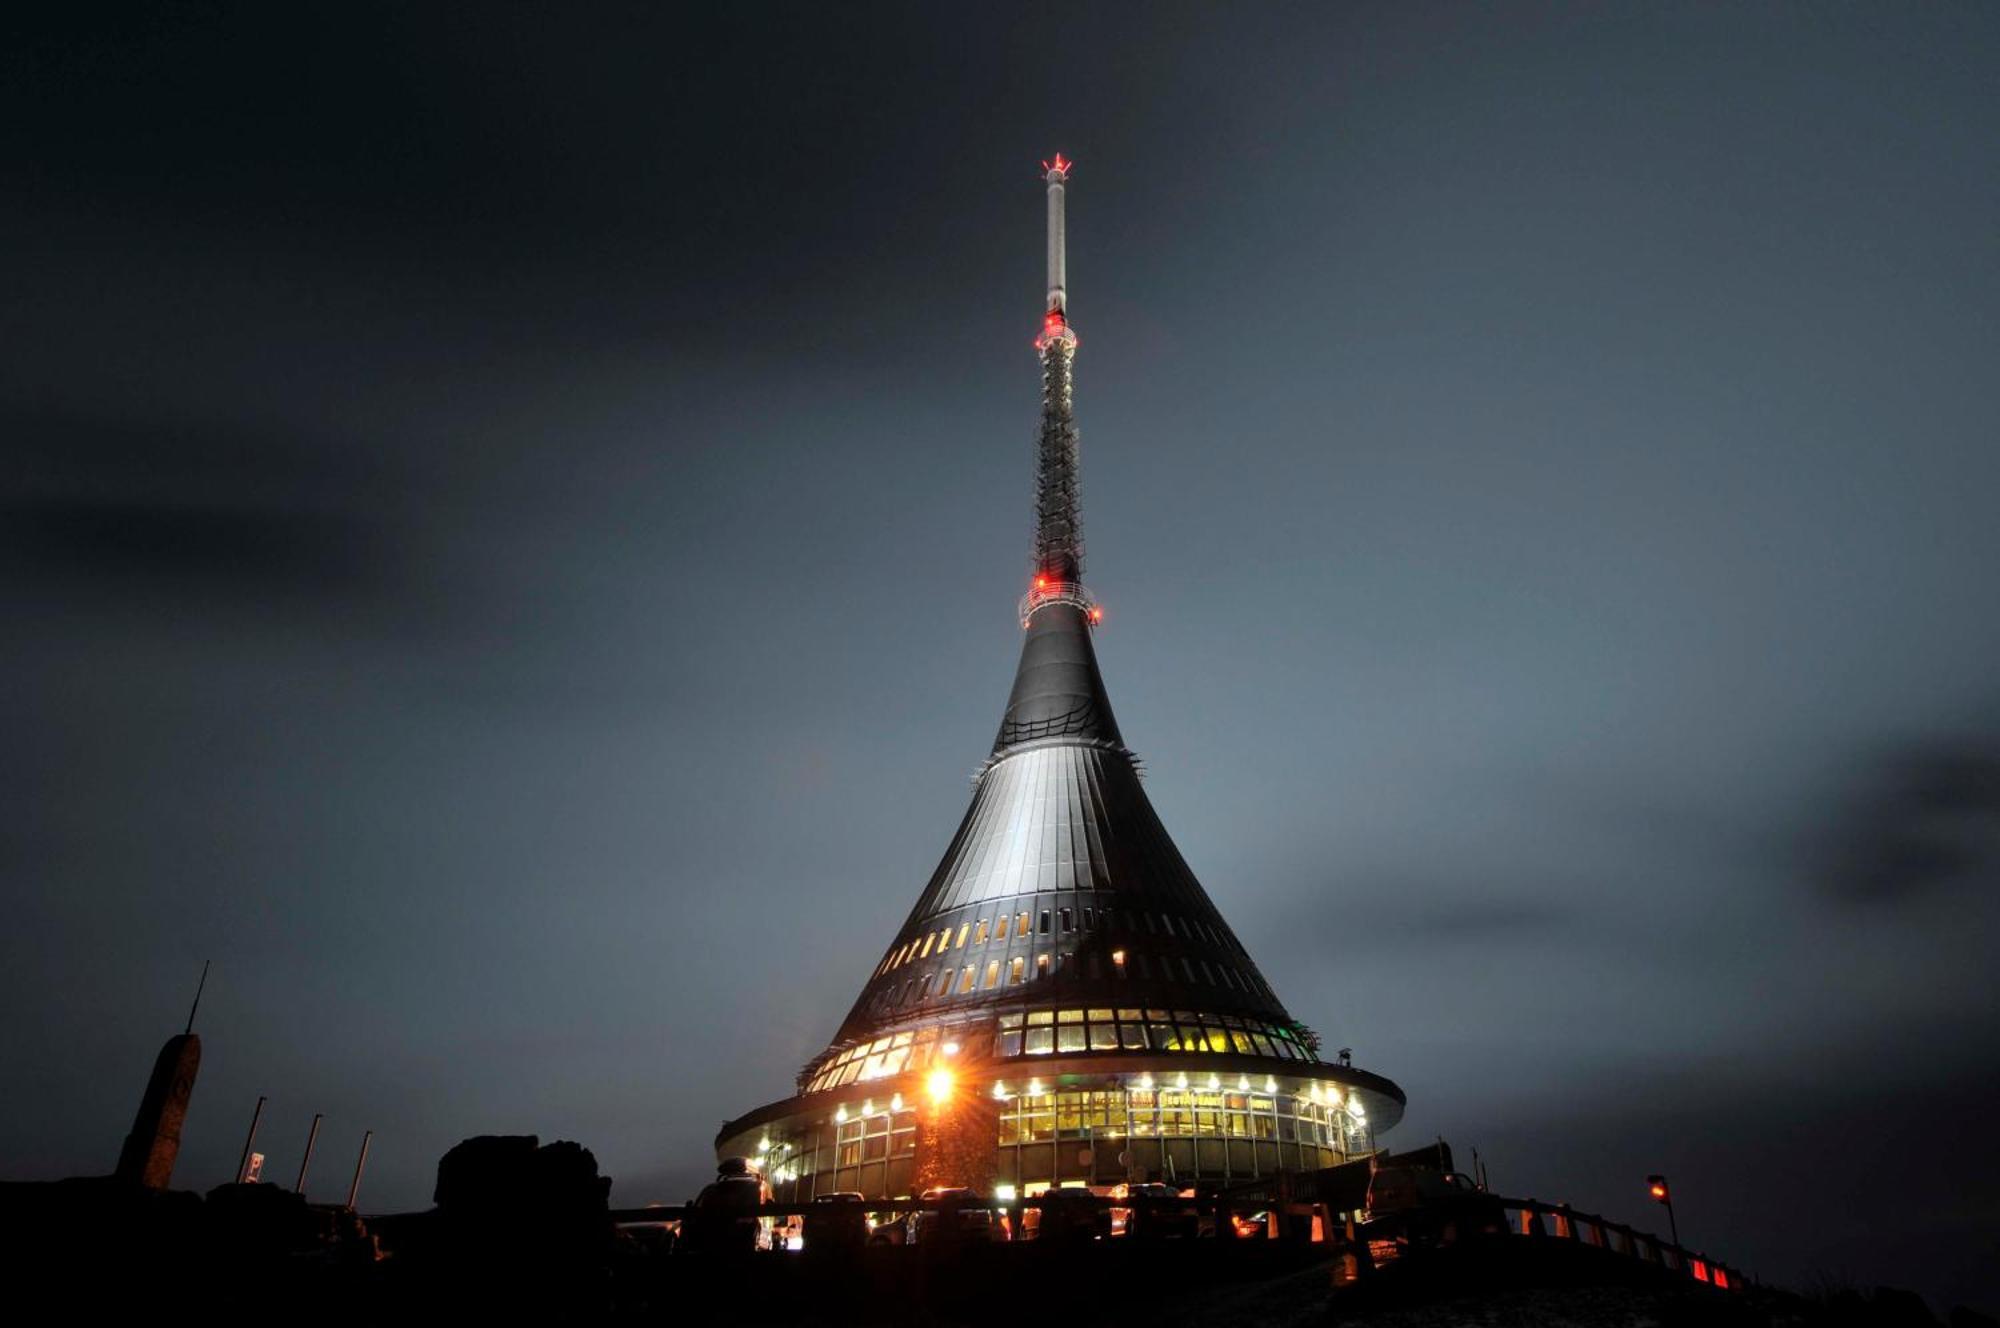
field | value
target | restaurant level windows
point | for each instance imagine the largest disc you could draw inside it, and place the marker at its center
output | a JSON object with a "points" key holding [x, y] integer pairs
{"points": [[1015, 970], [925, 952], [1000, 928], [1042, 964], [992, 974], [979, 938], [963, 928], [944, 940], [966, 979], [1021, 924]]}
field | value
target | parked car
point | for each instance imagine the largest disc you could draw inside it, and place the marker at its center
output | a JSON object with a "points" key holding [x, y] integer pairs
{"points": [[836, 1223], [1160, 1213], [1067, 1215], [723, 1217], [1414, 1207], [954, 1213]]}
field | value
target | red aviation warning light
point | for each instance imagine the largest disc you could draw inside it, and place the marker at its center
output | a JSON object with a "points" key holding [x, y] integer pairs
{"points": [[1058, 166]]}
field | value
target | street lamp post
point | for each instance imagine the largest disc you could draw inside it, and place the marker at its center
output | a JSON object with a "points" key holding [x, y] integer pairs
{"points": [[1664, 1196]]}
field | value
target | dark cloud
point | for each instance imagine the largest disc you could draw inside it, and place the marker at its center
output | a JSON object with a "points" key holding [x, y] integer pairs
{"points": [[207, 509], [1926, 820]]}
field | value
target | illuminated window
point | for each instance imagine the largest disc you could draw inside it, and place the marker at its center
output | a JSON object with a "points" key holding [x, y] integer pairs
{"points": [[927, 947], [1020, 924], [944, 981], [944, 940], [963, 928], [979, 938], [1000, 928], [1015, 970], [992, 974], [966, 979], [1042, 961]]}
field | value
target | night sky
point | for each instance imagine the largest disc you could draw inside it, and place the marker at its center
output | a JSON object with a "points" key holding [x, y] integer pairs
{"points": [[512, 516]]}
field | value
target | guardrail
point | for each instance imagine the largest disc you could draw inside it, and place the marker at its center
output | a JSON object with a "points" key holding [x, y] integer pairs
{"points": [[1525, 1218], [1529, 1219]]}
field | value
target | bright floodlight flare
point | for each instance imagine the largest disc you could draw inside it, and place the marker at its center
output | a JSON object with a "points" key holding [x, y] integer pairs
{"points": [[939, 1085]]}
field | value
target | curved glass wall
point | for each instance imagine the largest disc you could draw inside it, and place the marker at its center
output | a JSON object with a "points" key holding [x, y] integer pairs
{"points": [[1054, 1032], [1205, 1132]]}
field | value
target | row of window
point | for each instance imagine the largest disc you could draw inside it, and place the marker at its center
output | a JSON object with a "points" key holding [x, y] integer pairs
{"points": [[1046, 1032], [1140, 1114], [1045, 921], [963, 981], [1083, 1115], [885, 1056]]}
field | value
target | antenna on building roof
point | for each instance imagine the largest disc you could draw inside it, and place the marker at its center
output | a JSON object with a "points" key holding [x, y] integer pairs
{"points": [[197, 993]]}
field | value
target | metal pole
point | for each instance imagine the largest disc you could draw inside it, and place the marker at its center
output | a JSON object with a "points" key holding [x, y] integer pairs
{"points": [[243, 1163], [306, 1161], [1674, 1228], [355, 1187]]}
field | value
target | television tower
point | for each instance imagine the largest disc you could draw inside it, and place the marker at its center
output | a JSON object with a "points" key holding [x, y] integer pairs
{"points": [[1065, 1004]]}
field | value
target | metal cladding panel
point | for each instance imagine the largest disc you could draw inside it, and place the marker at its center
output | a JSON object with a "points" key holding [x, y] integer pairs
{"points": [[1058, 692]]}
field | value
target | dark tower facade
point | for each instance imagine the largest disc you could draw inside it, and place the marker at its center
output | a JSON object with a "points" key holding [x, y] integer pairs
{"points": [[1065, 1004]]}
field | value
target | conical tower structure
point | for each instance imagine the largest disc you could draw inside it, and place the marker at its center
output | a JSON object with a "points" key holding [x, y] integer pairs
{"points": [[1065, 1004]]}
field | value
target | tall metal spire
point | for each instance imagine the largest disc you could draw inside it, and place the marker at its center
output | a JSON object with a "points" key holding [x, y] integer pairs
{"points": [[1057, 689], [1058, 514]]}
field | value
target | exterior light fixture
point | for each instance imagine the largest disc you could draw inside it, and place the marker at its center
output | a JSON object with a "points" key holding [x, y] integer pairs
{"points": [[1034, 1088], [1180, 1080], [896, 1102], [1270, 1083], [868, 1106], [939, 1085], [949, 1049], [840, 1114], [764, 1144], [1118, 958], [1242, 1083], [1214, 1082], [1000, 1090], [1146, 1082]]}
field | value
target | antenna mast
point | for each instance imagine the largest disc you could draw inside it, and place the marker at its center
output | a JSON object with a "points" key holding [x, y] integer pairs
{"points": [[197, 993], [1058, 507]]}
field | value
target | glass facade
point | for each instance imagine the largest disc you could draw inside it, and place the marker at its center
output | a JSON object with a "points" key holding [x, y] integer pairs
{"points": [[1053, 1032], [1175, 1132]]}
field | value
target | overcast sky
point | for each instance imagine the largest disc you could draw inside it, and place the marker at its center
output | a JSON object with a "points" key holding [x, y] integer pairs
{"points": [[512, 516]]}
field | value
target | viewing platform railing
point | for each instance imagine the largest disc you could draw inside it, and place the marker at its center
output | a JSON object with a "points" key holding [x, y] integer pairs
{"points": [[1252, 1219]]}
